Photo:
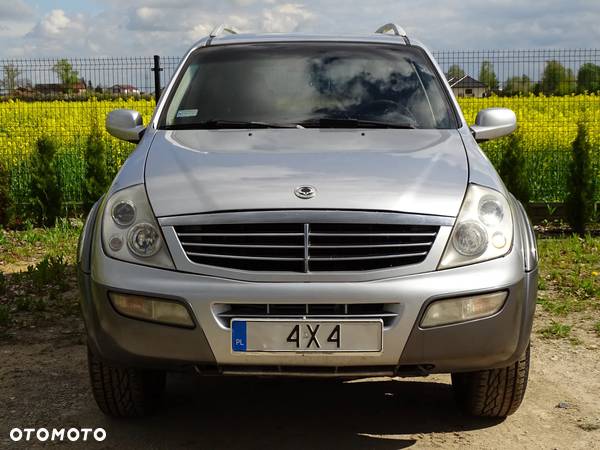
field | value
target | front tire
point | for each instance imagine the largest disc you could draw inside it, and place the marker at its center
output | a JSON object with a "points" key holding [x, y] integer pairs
{"points": [[493, 392], [125, 392]]}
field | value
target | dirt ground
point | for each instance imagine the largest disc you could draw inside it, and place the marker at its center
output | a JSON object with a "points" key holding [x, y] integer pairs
{"points": [[44, 383]]}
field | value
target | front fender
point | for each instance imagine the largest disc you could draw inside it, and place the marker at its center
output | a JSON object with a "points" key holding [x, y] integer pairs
{"points": [[84, 246], [525, 229]]}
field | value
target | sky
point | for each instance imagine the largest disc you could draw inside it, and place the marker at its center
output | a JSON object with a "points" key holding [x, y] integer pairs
{"points": [[86, 28]]}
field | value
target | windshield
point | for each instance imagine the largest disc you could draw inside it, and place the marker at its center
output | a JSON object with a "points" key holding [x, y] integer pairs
{"points": [[309, 85]]}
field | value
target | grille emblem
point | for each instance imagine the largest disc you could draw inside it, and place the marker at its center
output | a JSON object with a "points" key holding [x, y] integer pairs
{"points": [[305, 192]]}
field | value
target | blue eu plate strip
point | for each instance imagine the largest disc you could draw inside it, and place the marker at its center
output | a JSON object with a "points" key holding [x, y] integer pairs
{"points": [[238, 336]]}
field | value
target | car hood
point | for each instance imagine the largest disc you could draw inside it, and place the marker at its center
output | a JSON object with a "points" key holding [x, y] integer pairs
{"points": [[413, 171]]}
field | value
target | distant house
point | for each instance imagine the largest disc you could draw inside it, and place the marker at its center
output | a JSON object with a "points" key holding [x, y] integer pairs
{"points": [[60, 88], [467, 86], [125, 89]]}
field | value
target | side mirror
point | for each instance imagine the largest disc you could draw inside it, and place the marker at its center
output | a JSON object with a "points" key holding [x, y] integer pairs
{"points": [[492, 123], [125, 124]]}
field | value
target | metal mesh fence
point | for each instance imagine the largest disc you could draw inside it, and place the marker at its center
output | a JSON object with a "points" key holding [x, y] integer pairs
{"points": [[65, 99], [550, 91]]}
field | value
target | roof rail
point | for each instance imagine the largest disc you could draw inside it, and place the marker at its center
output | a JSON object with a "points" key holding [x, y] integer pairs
{"points": [[220, 29], [397, 29]]}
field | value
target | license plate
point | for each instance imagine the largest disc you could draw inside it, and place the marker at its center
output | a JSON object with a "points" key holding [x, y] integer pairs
{"points": [[304, 336]]}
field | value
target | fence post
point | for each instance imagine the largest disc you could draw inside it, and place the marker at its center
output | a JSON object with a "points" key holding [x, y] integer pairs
{"points": [[157, 70]]}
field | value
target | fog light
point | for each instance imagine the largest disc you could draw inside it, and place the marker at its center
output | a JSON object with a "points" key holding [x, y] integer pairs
{"points": [[454, 310], [153, 309]]}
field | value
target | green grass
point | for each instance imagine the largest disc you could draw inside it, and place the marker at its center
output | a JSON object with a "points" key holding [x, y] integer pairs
{"points": [[49, 271], [569, 283], [58, 241], [556, 330], [569, 275], [37, 271]]}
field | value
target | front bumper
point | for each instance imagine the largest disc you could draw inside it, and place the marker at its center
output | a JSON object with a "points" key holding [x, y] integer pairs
{"points": [[484, 343]]}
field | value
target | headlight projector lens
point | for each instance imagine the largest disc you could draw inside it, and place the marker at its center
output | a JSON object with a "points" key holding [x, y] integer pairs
{"points": [[490, 211], [144, 240], [470, 239], [123, 213]]}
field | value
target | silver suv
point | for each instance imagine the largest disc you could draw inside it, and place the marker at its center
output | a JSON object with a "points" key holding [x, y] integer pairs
{"points": [[305, 205]]}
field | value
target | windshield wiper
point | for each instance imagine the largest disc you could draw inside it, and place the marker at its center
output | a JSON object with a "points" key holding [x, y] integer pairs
{"points": [[219, 124], [331, 122]]}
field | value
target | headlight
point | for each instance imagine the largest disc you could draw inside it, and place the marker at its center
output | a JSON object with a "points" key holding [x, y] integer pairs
{"points": [[144, 240], [123, 213], [470, 238], [483, 229], [129, 229]]}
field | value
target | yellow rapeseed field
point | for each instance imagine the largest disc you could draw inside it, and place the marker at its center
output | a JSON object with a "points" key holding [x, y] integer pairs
{"points": [[545, 122], [548, 126]]}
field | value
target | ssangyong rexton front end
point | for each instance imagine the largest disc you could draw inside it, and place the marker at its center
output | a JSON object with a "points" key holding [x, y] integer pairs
{"points": [[308, 206]]}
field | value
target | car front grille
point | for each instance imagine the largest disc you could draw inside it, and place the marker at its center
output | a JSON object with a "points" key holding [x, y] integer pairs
{"points": [[225, 312], [303, 247]]}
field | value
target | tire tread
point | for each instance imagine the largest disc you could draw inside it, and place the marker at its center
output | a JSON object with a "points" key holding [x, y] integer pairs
{"points": [[124, 392], [493, 392]]}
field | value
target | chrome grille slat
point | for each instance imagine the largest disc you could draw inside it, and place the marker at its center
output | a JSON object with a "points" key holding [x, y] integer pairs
{"points": [[388, 312], [312, 316], [353, 258], [373, 234], [238, 234], [206, 244], [257, 258], [306, 247], [417, 244]]}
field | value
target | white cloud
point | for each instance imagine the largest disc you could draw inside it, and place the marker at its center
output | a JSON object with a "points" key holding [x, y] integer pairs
{"points": [[145, 27], [288, 17], [53, 24]]}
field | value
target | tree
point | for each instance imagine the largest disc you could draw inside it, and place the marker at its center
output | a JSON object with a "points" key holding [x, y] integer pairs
{"points": [[581, 183], [67, 76], [518, 85], [588, 78], [96, 177], [11, 73], [487, 75], [46, 194], [6, 206], [512, 169], [455, 73], [557, 79]]}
